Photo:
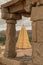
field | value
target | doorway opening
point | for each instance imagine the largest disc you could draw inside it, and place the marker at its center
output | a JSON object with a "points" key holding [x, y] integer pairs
{"points": [[24, 37]]}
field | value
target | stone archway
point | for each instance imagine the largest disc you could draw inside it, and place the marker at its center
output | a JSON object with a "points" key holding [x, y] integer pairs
{"points": [[13, 11]]}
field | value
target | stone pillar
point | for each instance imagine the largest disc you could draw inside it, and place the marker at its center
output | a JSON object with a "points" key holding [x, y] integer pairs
{"points": [[37, 35], [10, 51]]}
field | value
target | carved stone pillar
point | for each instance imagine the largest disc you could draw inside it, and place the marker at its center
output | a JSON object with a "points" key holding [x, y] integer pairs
{"points": [[37, 35], [10, 51]]}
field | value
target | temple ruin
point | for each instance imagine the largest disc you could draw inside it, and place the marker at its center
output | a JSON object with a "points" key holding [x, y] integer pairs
{"points": [[13, 11]]}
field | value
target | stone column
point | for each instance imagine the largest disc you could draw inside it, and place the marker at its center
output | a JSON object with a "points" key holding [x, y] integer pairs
{"points": [[10, 51], [37, 35]]}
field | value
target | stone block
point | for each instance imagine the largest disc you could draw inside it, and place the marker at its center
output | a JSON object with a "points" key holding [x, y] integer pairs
{"points": [[34, 1], [5, 15], [5, 10], [0, 50], [6, 61], [27, 6], [9, 16], [39, 31], [37, 13], [16, 7], [34, 25], [41, 1], [37, 53]]}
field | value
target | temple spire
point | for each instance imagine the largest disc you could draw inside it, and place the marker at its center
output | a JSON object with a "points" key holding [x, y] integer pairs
{"points": [[23, 40]]}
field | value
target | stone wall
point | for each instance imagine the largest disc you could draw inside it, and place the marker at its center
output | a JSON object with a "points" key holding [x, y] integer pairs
{"points": [[37, 35]]}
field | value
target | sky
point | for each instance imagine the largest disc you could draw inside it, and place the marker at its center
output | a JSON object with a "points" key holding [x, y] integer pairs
{"points": [[24, 21]]}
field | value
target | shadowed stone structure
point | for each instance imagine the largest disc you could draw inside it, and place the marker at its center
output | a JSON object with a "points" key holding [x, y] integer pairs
{"points": [[10, 42], [14, 10]]}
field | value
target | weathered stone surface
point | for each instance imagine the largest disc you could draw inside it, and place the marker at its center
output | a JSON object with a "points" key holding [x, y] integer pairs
{"points": [[16, 61], [16, 7], [11, 22], [10, 41], [27, 6], [9, 16], [39, 31], [34, 32], [41, 1], [5, 10], [6, 61], [25, 14], [0, 50], [10, 3], [37, 13], [5, 13], [37, 53], [34, 1]]}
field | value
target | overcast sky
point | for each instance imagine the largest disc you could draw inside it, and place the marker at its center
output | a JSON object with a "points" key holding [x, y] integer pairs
{"points": [[25, 21]]}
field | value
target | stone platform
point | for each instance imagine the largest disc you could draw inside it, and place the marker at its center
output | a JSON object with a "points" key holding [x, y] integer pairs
{"points": [[23, 58], [17, 61]]}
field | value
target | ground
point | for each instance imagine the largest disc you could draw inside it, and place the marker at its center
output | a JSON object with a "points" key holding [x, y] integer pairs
{"points": [[24, 57]]}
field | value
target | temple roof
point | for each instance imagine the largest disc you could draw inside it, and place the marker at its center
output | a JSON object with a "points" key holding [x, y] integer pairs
{"points": [[18, 7]]}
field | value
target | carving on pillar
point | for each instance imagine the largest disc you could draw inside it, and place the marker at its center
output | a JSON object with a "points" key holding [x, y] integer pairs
{"points": [[10, 39]]}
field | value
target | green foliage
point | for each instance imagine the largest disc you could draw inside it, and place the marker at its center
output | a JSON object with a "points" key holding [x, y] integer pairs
{"points": [[2, 39]]}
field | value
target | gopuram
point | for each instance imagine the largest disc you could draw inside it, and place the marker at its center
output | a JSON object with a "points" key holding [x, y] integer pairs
{"points": [[13, 11], [23, 41]]}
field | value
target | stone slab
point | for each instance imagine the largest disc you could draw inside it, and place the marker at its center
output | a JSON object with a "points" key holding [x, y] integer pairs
{"points": [[7, 61], [0, 50], [34, 32], [41, 2], [15, 61], [37, 53], [27, 5], [39, 31], [37, 13], [16, 7]]}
